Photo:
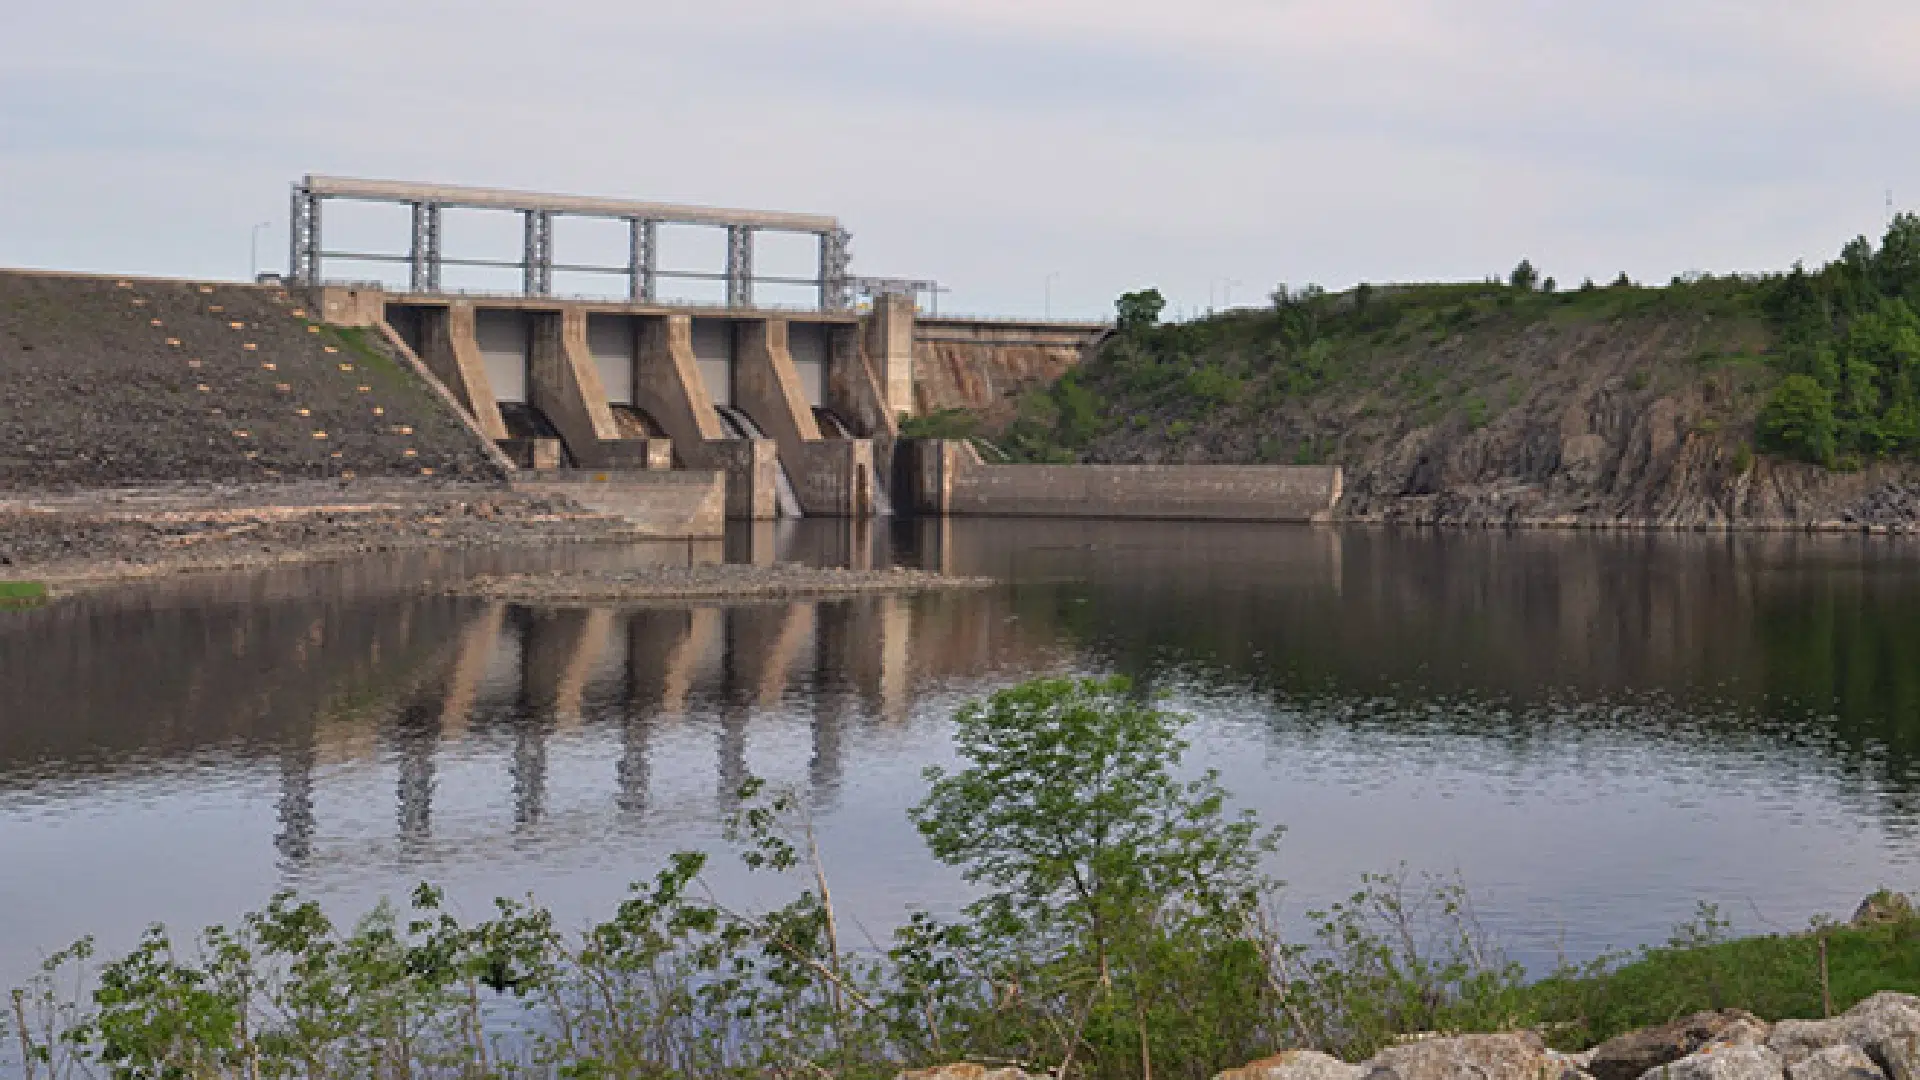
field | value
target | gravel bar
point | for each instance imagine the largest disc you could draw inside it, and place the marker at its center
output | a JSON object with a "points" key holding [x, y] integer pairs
{"points": [[715, 581]]}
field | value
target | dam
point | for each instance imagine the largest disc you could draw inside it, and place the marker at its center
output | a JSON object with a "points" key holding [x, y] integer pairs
{"points": [[632, 398]]}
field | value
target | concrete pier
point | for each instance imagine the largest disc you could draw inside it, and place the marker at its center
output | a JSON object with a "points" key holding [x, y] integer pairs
{"points": [[573, 366]]}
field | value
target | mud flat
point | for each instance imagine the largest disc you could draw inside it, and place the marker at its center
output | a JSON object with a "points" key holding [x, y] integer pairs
{"points": [[78, 540], [719, 581]]}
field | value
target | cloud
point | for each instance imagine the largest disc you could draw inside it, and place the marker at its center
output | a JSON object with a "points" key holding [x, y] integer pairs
{"points": [[992, 142]]}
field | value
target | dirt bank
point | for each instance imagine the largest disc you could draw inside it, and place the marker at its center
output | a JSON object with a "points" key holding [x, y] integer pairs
{"points": [[90, 538], [779, 581]]}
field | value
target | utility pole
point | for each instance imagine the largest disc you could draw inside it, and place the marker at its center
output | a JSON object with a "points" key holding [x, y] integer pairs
{"points": [[1049, 293]]}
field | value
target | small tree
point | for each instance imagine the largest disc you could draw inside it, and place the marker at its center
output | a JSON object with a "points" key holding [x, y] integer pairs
{"points": [[1139, 310], [1798, 419], [1115, 894], [1524, 276]]}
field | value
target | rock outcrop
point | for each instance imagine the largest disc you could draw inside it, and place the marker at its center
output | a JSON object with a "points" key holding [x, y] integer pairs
{"points": [[1626, 1057], [1844, 1062], [1296, 1065], [1641, 421], [1513, 1056], [1723, 1063]]}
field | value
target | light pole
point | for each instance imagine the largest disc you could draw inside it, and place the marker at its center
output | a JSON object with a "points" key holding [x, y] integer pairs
{"points": [[253, 251], [1049, 300]]}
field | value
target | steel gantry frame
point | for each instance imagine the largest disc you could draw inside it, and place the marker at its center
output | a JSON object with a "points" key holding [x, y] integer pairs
{"points": [[425, 257]]}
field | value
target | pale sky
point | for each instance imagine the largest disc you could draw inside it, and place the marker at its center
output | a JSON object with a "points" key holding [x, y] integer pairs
{"points": [[1009, 148]]}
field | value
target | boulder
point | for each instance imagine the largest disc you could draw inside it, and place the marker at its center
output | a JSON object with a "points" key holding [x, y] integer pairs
{"points": [[1627, 1057], [1898, 1055], [1886, 1019], [1520, 1056], [1723, 1062], [967, 1071], [1294, 1065], [1843, 1062], [1885, 906]]}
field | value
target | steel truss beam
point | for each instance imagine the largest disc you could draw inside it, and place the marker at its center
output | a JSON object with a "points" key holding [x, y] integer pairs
{"points": [[425, 259]]}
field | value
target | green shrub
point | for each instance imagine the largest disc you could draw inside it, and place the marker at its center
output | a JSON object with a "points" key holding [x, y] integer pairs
{"points": [[944, 424], [1798, 420]]}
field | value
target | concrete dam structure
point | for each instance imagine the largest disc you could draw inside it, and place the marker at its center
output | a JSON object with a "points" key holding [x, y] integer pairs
{"points": [[799, 409], [621, 402]]}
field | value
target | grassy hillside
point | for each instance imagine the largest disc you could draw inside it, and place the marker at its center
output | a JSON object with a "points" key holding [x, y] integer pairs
{"points": [[1326, 378], [1822, 366]]}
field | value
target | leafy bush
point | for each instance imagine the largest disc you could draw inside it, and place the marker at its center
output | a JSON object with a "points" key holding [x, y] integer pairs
{"points": [[944, 424], [1798, 420], [1139, 311]]}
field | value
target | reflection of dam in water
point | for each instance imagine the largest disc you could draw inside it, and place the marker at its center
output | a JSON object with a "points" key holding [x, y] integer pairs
{"points": [[520, 679]]}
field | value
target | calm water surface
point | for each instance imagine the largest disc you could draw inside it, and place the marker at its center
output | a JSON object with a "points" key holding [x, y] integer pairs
{"points": [[1596, 733]]}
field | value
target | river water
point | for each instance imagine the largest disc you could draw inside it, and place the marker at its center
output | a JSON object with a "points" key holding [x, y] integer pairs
{"points": [[1595, 733]]}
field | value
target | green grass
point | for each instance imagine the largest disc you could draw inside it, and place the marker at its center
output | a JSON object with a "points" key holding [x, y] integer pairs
{"points": [[354, 340], [1774, 977], [22, 594]]}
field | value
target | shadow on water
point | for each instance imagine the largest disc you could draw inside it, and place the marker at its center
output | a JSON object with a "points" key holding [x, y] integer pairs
{"points": [[178, 750]]}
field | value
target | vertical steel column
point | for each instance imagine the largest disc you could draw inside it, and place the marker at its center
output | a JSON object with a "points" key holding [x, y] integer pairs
{"points": [[303, 237], [836, 286], [424, 255], [538, 261], [642, 257], [739, 266], [433, 247]]}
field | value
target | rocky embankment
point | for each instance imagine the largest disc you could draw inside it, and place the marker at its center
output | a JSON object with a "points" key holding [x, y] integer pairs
{"points": [[97, 537], [122, 382], [1878, 1039], [779, 581], [1567, 419]]}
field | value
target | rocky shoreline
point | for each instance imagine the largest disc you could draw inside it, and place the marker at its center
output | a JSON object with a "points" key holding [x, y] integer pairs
{"points": [[93, 538], [733, 581], [1878, 1039]]}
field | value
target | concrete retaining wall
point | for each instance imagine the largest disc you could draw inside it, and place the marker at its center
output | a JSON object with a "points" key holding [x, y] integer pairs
{"points": [[666, 505], [949, 478], [985, 366]]}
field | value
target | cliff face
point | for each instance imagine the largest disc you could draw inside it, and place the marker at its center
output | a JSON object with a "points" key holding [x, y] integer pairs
{"points": [[1570, 419], [986, 378]]}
